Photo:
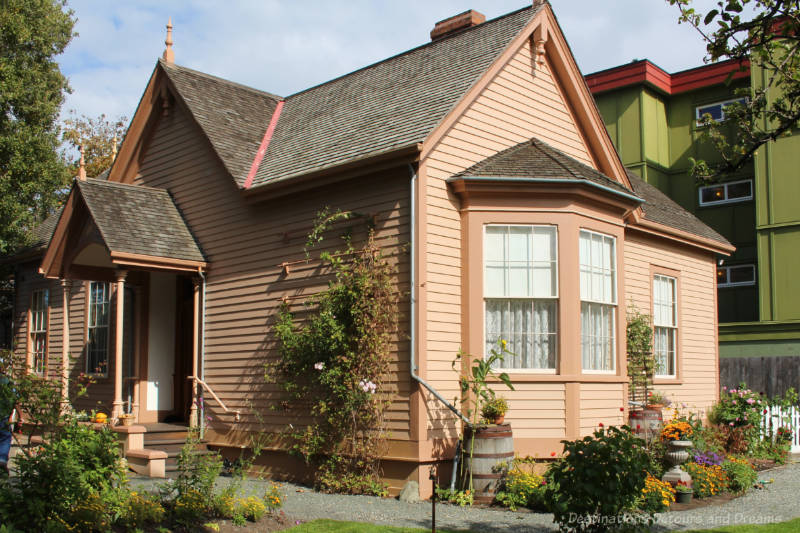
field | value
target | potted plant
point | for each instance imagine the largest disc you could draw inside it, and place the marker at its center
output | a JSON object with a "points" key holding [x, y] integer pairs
{"points": [[657, 400], [494, 410], [676, 435], [683, 492], [126, 419]]}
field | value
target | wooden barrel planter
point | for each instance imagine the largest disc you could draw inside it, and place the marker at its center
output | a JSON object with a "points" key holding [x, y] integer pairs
{"points": [[646, 423], [493, 446]]}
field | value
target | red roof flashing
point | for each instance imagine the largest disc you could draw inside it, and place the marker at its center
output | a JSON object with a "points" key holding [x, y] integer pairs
{"points": [[645, 72]]}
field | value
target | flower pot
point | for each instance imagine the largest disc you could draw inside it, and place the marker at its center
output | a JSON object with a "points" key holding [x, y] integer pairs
{"points": [[683, 497], [126, 420], [499, 419], [677, 454]]}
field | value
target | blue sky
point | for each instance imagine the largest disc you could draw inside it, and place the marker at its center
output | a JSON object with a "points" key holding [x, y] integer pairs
{"points": [[283, 46]]}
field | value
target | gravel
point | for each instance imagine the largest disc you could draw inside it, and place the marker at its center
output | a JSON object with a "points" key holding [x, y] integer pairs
{"points": [[777, 502]]}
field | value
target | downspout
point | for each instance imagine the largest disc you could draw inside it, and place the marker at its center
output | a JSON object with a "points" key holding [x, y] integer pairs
{"points": [[413, 296], [202, 349]]}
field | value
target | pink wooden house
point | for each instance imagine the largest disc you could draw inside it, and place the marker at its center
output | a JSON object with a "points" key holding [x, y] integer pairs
{"points": [[483, 149]]}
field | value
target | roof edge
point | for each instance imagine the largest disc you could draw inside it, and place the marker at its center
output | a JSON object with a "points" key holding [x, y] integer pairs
{"points": [[510, 179]]}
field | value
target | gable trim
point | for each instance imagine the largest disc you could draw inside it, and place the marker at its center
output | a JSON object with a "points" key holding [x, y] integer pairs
{"points": [[262, 149], [673, 234]]}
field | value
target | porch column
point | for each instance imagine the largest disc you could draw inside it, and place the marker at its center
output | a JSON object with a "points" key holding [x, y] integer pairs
{"points": [[193, 416], [116, 409], [66, 288]]}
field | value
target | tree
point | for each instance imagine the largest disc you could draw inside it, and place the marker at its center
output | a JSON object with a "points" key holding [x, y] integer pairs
{"points": [[32, 34], [767, 34], [100, 137]]}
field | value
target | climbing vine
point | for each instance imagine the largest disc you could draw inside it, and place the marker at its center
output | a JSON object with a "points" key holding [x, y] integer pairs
{"points": [[335, 363], [641, 362]]}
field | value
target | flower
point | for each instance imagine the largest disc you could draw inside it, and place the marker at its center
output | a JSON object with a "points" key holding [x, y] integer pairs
{"points": [[319, 366], [600, 424], [503, 343], [367, 386], [552, 454], [622, 409]]}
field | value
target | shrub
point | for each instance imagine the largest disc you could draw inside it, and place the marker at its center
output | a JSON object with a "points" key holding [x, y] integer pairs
{"points": [[190, 508], [657, 495], [197, 472], [740, 473], [707, 480], [140, 510], [462, 498], [252, 508], [273, 497], [597, 484], [737, 408], [521, 488]]}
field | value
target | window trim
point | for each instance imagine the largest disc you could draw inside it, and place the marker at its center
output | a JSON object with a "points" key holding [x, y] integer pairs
{"points": [[556, 298], [88, 289], [613, 304], [729, 284], [46, 331], [725, 200], [697, 117], [672, 328]]}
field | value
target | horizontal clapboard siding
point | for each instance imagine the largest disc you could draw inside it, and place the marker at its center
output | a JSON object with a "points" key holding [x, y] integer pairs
{"points": [[246, 245]]}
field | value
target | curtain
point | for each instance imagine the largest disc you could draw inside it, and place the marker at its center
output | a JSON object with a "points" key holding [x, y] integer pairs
{"points": [[529, 329]]}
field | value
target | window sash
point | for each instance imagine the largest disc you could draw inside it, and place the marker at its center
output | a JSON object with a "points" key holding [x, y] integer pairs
{"points": [[665, 305], [665, 350], [530, 329], [598, 339], [726, 197], [97, 328], [598, 267], [520, 261], [38, 329], [724, 277], [701, 110]]}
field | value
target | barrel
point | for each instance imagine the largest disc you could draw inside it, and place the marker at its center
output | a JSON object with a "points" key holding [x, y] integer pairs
{"points": [[646, 423], [492, 453]]}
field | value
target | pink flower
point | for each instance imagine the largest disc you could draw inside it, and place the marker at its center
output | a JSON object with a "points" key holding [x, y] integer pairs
{"points": [[730, 424], [319, 366], [751, 401], [367, 386]]}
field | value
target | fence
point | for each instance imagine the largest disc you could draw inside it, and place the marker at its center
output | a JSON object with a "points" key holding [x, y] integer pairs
{"points": [[776, 417]]}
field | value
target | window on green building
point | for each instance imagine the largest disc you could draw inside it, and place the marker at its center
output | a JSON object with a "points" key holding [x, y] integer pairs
{"points": [[736, 276], [715, 110], [726, 193]]}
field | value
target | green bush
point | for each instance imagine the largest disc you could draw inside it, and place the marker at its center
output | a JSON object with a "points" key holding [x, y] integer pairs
{"points": [[522, 488], [741, 474], [597, 484]]}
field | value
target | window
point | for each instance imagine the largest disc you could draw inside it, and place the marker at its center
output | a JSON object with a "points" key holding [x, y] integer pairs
{"points": [[665, 324], [736, 276], [521, 294], [97, 329], [38, 330], [598, 300], [726, 193], [716, 110]]}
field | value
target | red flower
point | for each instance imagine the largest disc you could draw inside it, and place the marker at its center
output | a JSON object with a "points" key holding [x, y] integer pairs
{"points": [[552, 454], [765, 411], [622, 409], [600, 424], [638, 426]]}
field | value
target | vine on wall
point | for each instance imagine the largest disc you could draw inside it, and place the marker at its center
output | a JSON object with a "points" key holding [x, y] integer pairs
{"points": [[336, 361]]}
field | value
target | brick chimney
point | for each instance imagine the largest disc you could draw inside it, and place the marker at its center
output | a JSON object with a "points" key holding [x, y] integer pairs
{"points": [[459, 22]]}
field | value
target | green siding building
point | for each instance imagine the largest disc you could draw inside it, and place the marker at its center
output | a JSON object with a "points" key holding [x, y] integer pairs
{"points": [[652, 118]]}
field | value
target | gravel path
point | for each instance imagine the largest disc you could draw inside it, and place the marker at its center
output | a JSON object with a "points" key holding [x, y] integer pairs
{"points": [[776, 503]]}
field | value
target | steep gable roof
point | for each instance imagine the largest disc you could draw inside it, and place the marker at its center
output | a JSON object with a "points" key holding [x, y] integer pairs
{"points": [[537, 160], [232, 116], [138, 220]]}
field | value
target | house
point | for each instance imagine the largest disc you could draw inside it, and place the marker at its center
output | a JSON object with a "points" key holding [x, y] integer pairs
{"points": [[653, 119], [482, 150]]}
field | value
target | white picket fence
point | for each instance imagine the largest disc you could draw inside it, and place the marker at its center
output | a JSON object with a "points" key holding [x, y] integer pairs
{"points": [[776, 417]]}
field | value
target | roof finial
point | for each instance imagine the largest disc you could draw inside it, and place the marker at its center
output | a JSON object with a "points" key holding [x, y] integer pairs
{"points": [[82, 166], [169, 54], [114, 148]]}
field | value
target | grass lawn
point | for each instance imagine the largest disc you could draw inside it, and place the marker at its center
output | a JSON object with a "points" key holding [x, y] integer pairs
{"points": [[332, 526]]}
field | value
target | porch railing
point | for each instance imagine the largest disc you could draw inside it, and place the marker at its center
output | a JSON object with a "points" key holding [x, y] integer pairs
{"points": [[198, 381]]}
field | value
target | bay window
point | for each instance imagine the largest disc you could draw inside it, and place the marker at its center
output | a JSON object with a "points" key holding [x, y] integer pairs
{"points": [[598, 280], [665, 324], [521, 294]]}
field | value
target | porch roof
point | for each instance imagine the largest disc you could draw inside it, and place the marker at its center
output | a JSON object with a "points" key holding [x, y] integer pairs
{"points": [[139, 226]]}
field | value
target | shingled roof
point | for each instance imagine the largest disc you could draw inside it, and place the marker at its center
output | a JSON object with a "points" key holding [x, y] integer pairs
{"points": [[660, 208], [138, 220], [388, 105], [535, 159], [234, 117]]}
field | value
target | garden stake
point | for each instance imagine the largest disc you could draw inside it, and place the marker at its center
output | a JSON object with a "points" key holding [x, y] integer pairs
{"points": [[433, 499]]}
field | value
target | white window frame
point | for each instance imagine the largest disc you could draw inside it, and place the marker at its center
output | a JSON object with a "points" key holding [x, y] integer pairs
{"points": [[725, 199], [727, 270], [722, 103], [671, 328], [92, 325], [610, 304], [38, 324], [554, 299]]}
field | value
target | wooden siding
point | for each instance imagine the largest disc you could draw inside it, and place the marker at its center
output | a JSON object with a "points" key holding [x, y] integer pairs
{"points": [[536, 410], [518, 104], [245, 246], [601, 403], [697, 386]]}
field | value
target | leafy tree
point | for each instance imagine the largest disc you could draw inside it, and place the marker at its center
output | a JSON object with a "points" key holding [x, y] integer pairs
{"points": [[767, 33], [32, 34], [99, 137]]}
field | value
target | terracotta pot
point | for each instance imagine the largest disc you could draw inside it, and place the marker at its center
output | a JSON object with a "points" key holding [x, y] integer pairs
{"points": [[499, 419]]}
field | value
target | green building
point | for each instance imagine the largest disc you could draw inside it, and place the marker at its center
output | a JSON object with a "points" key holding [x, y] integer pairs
{"points": [[652, 118]]}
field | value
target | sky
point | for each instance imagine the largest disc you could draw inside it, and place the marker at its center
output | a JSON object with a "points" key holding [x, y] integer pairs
{"points": [[284, 46]]}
